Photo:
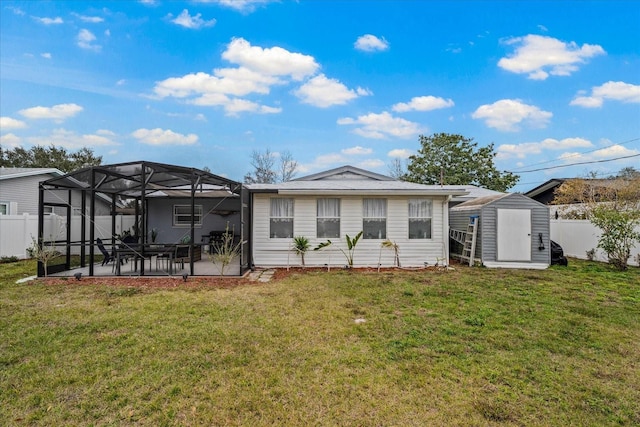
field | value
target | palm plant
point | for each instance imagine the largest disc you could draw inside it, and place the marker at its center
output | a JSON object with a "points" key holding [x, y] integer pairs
{"points": [[301, 246], [351, 247], [390, 245]]}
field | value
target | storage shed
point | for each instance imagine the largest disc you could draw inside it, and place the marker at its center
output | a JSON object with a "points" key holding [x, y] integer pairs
{"points": [[512, 231]]}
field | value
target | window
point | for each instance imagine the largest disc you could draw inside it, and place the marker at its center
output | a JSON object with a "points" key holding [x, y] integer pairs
{"points": [[281, 218], [182, 215], [4, 208], [419, 219], [328, 219], [47, 210], [374, 218]]}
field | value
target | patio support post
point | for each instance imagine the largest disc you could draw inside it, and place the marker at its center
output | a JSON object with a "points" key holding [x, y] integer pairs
{"points": [[83, 227], [67, 263], [40, 224], [193, 221], [143, 216], [92, 221]]}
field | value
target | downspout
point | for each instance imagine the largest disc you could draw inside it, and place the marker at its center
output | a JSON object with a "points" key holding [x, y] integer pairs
{"points": [[445, 223]]}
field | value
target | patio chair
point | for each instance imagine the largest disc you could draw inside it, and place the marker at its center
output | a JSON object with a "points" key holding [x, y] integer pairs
{"points": [[108, 257], [183, 253]]}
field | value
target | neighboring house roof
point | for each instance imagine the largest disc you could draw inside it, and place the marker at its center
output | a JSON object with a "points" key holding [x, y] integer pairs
{"points": [[545, 192], [349, 179], [11, 173]]}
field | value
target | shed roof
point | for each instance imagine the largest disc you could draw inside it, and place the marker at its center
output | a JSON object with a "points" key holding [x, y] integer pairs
{"points": [[487, 200]]}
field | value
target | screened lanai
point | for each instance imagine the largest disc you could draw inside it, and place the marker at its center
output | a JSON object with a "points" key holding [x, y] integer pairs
{"points": [[162, 220]]}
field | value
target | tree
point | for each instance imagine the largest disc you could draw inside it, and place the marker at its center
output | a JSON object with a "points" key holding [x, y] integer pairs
{"points": [[397, 168], [613, 205], [49, 157], [288, 166], [453, 159], [264, 171]]}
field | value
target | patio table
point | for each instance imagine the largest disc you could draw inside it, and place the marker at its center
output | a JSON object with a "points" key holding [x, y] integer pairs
{"points": [[138, 251]]}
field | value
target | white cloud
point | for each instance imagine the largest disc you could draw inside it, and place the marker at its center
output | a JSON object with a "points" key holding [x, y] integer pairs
{"points": [[356, 151], [616, 91], [245, 6], [274, 61], [193, 22], [525, 149], [58, 112], [163, 137], [259, 70], [10, 140], [611, 152], [381, 126], [72, 140], [16, 10], [423, 103], [323, 92], [121, 82], [85, 39], [400, 153], [46, 55], [236, 105], [88, 19], [371, 43], [540, 56], [7, 123], [507, 114], [49, 21]]}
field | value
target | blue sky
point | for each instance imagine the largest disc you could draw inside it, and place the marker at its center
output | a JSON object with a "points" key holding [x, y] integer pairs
{"points": [[205, 83]]}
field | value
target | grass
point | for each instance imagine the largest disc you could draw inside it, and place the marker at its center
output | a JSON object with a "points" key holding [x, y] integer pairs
{"points": [[468, 347]]}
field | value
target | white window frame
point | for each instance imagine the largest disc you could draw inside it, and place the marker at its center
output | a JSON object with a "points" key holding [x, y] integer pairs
{"points": [[374, 218], [320, 218], [177, 223], [276, 217], [417, 216]]}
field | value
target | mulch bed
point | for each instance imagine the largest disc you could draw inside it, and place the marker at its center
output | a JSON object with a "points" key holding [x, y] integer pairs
{"points": [[201, 281]]}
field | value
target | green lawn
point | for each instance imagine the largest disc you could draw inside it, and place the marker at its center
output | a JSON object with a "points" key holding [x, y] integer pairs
{"points": [[468, 347]]}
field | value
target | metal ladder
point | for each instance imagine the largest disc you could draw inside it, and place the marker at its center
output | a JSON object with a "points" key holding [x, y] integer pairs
{"points": [[469, 249]]}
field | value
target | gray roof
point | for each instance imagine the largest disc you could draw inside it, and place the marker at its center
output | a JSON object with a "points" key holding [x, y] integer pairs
{"points": [[475, 192], [350, 180], [486, 200], [9, 173]]}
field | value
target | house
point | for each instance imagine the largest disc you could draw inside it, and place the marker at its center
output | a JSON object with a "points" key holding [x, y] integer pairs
{"points": [[545, 192], [343, 202], [19, 192], [512, 230]]}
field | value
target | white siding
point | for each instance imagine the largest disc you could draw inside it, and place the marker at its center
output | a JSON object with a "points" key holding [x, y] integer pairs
{"points": [[413, 253], [24, 192]]}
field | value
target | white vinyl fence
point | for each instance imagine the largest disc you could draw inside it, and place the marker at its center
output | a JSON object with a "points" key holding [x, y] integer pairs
{"points": [[18, 231], [579, 236]]}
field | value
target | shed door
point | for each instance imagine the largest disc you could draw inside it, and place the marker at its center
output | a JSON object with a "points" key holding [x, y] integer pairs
{"points": [[514, 235]]}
